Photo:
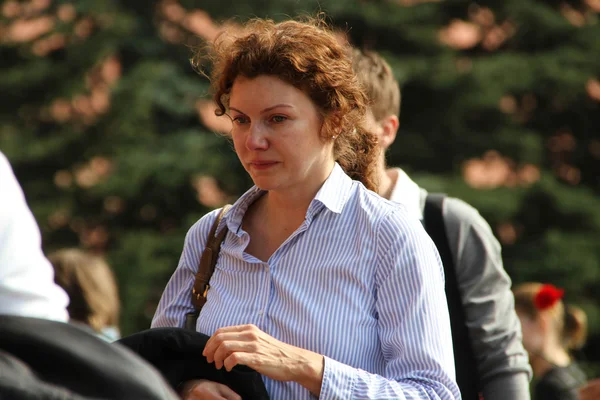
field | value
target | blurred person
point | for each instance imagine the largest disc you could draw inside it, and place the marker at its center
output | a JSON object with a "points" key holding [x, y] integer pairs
{"points": [[321, 285], [27, 285], [550, 331], [486, 331], [41, 356], [92, 290]]}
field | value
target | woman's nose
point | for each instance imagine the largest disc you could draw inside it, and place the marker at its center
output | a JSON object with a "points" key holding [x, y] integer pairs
{"points": [[257, 137]]}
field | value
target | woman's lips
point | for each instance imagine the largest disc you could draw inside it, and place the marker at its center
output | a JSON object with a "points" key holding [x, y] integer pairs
{"points": [[262, 165]]}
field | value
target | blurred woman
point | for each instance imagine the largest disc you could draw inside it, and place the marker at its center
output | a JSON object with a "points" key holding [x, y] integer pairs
{"points": [[321, 285], [92, 290], [550, 331]]}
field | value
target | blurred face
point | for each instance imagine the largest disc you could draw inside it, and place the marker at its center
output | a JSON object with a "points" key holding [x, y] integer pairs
{"points": [[385, 130], [533, 333], [373, 125], [276, 134]]}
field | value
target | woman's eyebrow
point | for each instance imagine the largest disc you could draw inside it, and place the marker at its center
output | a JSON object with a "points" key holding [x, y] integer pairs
{"points": [[266, 109], [276, 106], [235, 109]]}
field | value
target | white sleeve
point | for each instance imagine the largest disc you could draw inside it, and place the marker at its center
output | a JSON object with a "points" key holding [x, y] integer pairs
{"points": [[27, 285]]}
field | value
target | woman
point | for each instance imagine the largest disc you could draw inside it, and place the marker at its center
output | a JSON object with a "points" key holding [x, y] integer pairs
{"points": [[550, 330], [321, 285]]}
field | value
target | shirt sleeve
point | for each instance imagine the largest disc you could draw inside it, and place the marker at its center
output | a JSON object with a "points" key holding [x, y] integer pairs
{"points": [[414, 326], [176, 301], [488, 302], [27, 286]]}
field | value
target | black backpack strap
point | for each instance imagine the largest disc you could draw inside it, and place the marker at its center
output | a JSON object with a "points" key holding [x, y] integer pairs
{"points": [[464, 359]]}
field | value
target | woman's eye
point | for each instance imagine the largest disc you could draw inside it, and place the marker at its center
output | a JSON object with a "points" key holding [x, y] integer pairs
{"points": [[239, 120], [278, 118]]}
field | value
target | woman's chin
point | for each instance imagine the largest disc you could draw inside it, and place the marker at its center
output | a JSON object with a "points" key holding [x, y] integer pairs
{"points": [[265, 184]]}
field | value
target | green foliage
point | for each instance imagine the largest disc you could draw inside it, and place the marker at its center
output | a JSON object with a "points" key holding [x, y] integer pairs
{"points": [[527, 94]]}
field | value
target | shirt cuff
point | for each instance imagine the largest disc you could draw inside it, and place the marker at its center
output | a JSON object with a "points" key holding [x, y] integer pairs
{"points": [[338, 381]]}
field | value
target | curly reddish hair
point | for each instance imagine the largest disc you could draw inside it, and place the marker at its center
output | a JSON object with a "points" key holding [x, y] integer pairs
{"points": [[309, 56]]}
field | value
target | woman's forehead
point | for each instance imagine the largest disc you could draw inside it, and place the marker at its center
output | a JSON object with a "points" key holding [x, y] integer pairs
{"points": [[266, 91]]}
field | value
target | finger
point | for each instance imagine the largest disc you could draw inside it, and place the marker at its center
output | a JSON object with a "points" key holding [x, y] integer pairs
{"points": [[204, 395], [228, 393], [236, 328], [202, 390], [209, 390], [187, 388], [241, 358], [217, 341], [219, 333], [229, 347], [241, 332]]}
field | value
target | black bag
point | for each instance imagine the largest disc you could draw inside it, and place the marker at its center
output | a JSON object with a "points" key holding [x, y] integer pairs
{"points": [[467, 376], [177, 354], [42, 359]]}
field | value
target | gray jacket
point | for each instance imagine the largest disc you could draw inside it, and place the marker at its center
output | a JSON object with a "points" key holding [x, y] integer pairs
{"points": [[485, 289]]}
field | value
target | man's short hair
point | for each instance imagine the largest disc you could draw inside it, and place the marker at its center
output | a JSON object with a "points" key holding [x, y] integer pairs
{"points": [[376, 75]]}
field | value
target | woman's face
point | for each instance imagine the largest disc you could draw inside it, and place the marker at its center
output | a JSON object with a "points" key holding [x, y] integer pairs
{"points": [[276, 134], [533, 333]]}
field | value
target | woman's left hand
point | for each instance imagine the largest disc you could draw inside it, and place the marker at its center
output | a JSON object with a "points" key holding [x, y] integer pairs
{"points": [[248, 345]]}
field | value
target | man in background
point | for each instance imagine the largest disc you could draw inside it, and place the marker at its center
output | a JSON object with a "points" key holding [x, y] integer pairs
{"points": [[480, 301]]}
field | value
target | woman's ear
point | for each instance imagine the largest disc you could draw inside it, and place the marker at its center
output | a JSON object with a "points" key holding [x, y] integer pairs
{"points": [[330, 127]]}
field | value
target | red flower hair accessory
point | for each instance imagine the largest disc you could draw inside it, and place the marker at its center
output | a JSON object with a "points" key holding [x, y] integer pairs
{"points": [[547, 297]]}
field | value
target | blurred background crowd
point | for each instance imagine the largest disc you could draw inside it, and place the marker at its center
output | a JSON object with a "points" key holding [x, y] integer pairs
{"points": [[113, 137]]}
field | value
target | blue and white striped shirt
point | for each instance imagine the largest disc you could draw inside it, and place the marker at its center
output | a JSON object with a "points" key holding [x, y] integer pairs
{"points": [[359, 282]]}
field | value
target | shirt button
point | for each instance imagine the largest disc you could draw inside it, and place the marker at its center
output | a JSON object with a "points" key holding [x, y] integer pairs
{"points": [[261, 312]]}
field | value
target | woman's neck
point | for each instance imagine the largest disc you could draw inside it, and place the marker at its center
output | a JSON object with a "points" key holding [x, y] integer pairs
{"points": [[291, 205], [282, 208], [548, 359], [298, 198]]}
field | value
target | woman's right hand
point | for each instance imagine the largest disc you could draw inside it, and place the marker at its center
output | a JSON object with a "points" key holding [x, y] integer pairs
{"points": [[202, 389]]}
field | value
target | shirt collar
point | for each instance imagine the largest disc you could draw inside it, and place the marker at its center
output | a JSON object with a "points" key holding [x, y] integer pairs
{"points": [[335, 191], [333, 195], [408, 193], [233, 218]]}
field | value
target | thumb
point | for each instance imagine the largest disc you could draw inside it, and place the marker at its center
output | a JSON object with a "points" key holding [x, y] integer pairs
{"points": [[228, 394]]}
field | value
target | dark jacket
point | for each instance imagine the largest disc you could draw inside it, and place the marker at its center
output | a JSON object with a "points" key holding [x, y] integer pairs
{"points": [[42, 359], [560, 383]]}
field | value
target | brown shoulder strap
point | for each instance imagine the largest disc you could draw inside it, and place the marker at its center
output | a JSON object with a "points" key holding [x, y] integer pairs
{"points": [[208, 261]]}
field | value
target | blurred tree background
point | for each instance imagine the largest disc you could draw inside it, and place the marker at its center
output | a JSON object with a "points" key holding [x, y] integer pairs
{"points": [[112, 135]]}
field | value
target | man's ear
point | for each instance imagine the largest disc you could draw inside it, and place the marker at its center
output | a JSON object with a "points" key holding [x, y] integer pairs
{"points": [[389, 126]]}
